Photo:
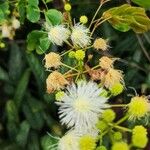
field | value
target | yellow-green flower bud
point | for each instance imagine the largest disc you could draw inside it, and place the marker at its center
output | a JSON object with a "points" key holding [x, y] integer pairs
{"points": [[71, 54], [102, 125], [59, 95], [117, 136], [87, 142], [116, 89], [139, 136], [80, 55], [83, 19], [120, 146], [67, 7], [108, 115], [104, 93], [2, 45]]}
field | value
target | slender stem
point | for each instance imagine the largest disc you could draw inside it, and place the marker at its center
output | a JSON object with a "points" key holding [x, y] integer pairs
{"points": [[95, 14], [69, 44], [120, 127], [66, 52], [98, 24], [122, 120], [143, 48], [69, 67], [147, 38], [45, 4], [95, 67], [118, 105]]}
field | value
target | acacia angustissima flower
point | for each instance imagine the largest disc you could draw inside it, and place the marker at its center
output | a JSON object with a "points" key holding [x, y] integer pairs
{"points": [[58, 34], [81, 106]]}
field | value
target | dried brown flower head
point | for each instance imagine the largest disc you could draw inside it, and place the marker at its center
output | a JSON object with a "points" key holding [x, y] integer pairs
{"points": [[52, 60], [55, 81]]}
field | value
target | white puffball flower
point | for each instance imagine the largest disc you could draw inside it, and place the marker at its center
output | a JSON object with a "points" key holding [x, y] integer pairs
{"points": [[80, 36], [69, 141], [81, 105], [58, 34], [6, 31], [15, 23]]}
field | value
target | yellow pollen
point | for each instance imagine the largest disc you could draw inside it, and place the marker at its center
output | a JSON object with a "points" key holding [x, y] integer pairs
{"points": [[81, 105]]}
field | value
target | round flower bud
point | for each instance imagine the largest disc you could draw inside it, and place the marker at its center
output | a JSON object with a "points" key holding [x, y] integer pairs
{"points": [[101, 148], [139, 136], [59, 95], [67, 7], [102, 125], [83, 19], [116, 89], [80, 54], [108, 115], [117, 136], [2, 45], [120, 146], [87, 142], [104, 93], [71, 54], [138, 107]]}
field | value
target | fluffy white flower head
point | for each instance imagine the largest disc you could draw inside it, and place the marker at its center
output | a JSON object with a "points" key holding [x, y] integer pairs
{"points": [[80, 36], [58, 34], [15, 23], [70, 141], [81, 106]]}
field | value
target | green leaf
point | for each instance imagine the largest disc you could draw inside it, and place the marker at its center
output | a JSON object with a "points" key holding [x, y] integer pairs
{"points": [[12, 113], [53, 17], [44, 45], [21, 87], [16, 63], [3, 75], [22, 10], [33, 39], [2, 16], [4, 6], [33, 13], [127, 17], [47, 141], [143, 3], [22, 135], [32, 109], [33, 2], [38, 71], [12, 119], [33, 141]]}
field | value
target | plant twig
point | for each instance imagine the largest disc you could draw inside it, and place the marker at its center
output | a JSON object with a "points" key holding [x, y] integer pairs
{"points": [[143, 48]]}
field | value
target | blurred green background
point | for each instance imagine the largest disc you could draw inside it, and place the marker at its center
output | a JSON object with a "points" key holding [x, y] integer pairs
{"points": [[27, 113]]}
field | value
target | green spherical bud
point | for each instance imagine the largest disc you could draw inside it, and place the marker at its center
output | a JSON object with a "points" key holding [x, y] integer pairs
{"points": [[120, 146], [67, 7], [101, 148], [2, 45], [116, 89], [102, 125], [108, 115], [59, 95], [80, 54], [139, 137], [104, 93], [71, 54], [117, 136], [83, 19]]}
